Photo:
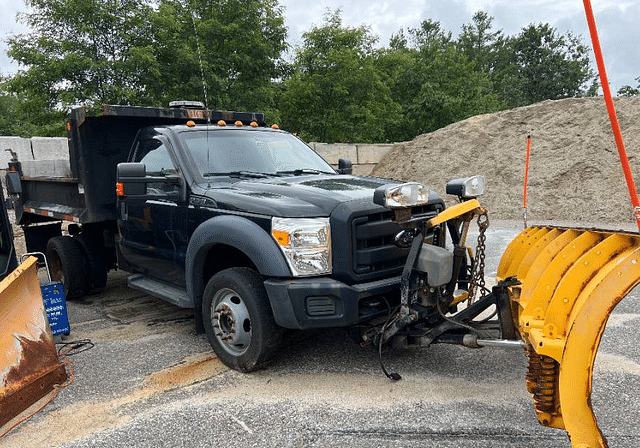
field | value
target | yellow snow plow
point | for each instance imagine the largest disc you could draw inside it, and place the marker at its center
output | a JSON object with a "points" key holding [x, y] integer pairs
{"points": [[29, 364], [570, 282]]}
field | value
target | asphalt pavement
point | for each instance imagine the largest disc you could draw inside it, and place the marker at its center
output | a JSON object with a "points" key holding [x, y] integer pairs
{"points": [[143, 378]]}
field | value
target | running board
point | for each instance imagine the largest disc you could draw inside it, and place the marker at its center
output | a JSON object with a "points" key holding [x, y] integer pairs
{"points": [[169, 293]]}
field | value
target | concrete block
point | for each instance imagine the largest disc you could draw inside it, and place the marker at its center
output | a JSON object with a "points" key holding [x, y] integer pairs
{"points": [[372, 153], [20, 145], [50, 148], [332, 152], [46, 168]]}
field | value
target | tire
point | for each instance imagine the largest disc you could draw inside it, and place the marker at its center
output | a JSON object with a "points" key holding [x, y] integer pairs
{"points": [[238, 319], [68, 265], [96, 264]]}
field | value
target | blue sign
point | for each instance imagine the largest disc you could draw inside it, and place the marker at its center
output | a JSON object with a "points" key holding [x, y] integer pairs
{"points": [[56, 307]]}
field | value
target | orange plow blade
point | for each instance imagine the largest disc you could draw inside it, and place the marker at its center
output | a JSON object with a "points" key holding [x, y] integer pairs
{"points": [[29, 364], [571, 280]]}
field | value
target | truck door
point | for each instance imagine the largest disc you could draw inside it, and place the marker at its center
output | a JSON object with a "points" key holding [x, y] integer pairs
{"points": [[153, 227]]}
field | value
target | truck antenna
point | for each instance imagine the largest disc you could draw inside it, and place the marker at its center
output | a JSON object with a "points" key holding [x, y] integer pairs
{"points": [[204, 84]]}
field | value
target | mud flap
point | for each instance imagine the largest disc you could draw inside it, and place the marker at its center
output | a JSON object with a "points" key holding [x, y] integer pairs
{"points": [[571, 280], [29, 364]]}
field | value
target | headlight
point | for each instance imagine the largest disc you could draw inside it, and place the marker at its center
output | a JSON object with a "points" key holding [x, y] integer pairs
{"points": [[405, 195], [306, 244], [466, 187]]}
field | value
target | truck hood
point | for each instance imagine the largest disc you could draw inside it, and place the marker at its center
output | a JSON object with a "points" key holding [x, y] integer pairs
{"points": [[296, 196]]}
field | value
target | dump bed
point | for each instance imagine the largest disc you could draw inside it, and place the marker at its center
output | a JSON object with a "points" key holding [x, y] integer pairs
{"points": [[99, 139]]}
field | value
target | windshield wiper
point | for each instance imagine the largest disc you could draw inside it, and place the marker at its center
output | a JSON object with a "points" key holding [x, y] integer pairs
{"points": [[300, 172], [253, 174]]}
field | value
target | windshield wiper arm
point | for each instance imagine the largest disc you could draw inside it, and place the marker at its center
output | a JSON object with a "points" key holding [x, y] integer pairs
{"points": [[300, 172], [253, 174]]}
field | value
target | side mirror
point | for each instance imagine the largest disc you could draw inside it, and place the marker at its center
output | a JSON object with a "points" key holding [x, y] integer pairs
{"points": [[132, 180], [131, 175], [181, 194], [345, 166]]}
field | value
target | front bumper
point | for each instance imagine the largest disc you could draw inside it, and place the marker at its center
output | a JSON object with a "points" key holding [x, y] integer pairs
{"points": [[324, 302]]}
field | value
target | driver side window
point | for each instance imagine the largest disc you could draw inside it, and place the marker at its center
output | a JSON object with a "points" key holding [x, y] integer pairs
{"points": [[155, 156]]}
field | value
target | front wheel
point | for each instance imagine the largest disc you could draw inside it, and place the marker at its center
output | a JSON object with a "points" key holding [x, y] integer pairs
{"points": [[238, 319]]}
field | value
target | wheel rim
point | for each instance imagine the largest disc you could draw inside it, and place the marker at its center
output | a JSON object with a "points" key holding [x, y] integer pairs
{"points": [[231, 322]]}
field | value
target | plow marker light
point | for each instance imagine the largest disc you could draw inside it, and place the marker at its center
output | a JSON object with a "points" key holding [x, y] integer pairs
{"points": [[571, 280]]}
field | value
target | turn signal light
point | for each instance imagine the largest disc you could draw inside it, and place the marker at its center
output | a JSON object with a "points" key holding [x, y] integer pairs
{"points": [[120, 189], [281, 237]]}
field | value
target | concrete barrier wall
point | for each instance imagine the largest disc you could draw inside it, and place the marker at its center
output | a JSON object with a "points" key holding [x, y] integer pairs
{"points": [[40, 156], [363, 156], [38, 153]]}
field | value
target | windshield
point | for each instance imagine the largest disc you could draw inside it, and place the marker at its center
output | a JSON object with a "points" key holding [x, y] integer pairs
{"points": [[246, 152]]}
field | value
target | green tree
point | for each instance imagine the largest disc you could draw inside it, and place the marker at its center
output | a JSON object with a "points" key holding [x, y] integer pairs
{"points": [[144, 53], [437, 84], [8, 120], [336, 93], [231, 50], [627, 90], [479, 43], [82, 51], [539, 64]]}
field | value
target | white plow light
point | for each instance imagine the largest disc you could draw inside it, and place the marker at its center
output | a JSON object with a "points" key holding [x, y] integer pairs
{"points": [[405, 195], [306, 244], [466, 187]]}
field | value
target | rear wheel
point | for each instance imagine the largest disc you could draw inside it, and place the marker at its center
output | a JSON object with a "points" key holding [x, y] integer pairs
{"points": [[96, 260], [238, 319], [67, 264]]}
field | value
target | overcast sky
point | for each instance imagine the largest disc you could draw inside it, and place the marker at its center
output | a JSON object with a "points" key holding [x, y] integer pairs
{"points": [[617, 23]]}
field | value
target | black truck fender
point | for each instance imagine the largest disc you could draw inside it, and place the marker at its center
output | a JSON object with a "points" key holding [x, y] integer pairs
{"points": [[242, 234]]}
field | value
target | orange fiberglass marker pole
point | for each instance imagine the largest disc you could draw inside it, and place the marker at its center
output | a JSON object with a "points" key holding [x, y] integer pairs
{"points": [[613, 118], [526, 179]]}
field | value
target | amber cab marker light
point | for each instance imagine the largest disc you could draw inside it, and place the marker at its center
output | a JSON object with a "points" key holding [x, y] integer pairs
{"points": [[120, 189], [222, 123], [238, 123], [191, 123], [275, 126], [254, 124]]}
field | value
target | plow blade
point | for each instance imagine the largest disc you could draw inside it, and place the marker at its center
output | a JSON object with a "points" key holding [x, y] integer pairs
{"points": [[571, 280], [29, 364]]}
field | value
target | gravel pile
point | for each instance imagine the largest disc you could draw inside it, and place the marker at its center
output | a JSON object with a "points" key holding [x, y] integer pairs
{"points": [[575, 173]]}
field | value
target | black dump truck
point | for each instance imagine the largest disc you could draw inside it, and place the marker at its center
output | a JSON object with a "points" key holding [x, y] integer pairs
{"points": [[215, 211]]}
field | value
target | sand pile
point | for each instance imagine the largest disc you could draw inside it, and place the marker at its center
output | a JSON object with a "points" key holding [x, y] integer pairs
{"points": [[575, 173]]}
